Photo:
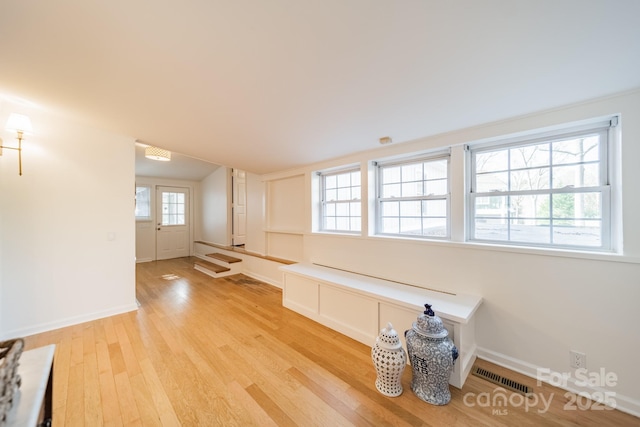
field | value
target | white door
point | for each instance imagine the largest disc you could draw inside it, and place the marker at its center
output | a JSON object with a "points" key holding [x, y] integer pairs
{"points": [[172, 230], [239, 207]]}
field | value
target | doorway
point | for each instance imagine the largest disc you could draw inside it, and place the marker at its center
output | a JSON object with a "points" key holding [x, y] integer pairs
{"points": [[173, 224]]}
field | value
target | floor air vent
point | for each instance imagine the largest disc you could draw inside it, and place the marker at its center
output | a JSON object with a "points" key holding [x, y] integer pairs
{"points": [[501, 381]]}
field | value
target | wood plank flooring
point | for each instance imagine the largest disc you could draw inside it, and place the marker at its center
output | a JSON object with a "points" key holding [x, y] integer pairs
{"points": [[206, 352]]}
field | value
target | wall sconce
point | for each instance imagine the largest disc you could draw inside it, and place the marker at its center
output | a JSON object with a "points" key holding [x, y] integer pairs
{"points": [[155, 153], [20, 124]]}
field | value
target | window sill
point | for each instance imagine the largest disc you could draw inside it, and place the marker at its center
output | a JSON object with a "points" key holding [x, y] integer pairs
{"points": [[338, 233], [566, 253]]}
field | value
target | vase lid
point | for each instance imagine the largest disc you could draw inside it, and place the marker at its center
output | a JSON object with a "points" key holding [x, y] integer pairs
{"points": [[430, 325], [388, 338]]}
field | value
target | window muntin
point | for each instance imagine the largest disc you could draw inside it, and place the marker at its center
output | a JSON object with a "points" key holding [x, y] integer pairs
{"points": [[143, 203], [341, 207], [552, 191], [173, 208], [413, 197]]}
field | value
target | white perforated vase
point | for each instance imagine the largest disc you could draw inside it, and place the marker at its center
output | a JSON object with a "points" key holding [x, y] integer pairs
{"points": [[389, 359]]}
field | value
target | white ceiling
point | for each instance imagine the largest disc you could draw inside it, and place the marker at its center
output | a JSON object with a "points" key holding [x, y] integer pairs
{"points": [[180, 167], [270, 85]]}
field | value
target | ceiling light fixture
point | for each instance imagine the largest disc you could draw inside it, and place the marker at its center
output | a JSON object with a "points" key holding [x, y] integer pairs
{"points": [[155, 153], [385, 140], [20, 124]]}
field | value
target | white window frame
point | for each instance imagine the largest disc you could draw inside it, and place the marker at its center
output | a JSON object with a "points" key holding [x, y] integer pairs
{"points": [[605, 128], [406, 161], [327, 204]]}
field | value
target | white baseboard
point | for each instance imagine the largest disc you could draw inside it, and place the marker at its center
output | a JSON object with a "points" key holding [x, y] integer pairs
{"points": [[622, 403], [138, 261], [45, 327]]}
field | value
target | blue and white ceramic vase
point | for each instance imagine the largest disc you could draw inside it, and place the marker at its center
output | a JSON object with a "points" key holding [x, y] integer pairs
{"points": [[389, 360], [432, 355]]}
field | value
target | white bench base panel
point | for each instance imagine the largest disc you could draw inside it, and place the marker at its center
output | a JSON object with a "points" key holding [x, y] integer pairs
{"points": [[359, 306]]}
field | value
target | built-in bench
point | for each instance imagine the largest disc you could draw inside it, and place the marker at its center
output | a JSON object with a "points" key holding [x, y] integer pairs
{"points": [[359, 306]]}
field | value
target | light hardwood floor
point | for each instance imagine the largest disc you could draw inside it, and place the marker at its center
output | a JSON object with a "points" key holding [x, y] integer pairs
{"points": [[204, 351]]}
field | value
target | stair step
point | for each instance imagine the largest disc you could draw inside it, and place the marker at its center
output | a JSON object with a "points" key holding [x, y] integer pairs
{"points": [[222, 257], [211, 266]]}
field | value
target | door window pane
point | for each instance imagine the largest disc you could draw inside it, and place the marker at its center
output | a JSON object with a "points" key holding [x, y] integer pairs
{"points": [[173, 208]]}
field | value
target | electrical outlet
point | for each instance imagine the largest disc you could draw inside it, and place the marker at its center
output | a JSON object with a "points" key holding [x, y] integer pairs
{"points": [[577, 359]]}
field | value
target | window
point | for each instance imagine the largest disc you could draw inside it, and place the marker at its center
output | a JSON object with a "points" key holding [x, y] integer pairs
{"points": [[143, 203], [548, 190], [173, 208], [413, 197], [340, 201]]}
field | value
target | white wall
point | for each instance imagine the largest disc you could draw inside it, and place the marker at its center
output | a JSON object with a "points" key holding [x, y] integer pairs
{"points": [[216, 210], [538, 304], [146, 230], [1, 258], [66, 226]]}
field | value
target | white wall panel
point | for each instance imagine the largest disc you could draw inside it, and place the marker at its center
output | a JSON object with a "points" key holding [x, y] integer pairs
{"points": [[286, 204], [350, 313], [286, 246], [301, 293]]}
